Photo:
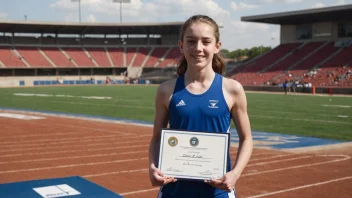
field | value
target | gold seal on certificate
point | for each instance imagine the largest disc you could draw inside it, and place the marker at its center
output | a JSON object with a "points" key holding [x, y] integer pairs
{"points": [[193, 155]]}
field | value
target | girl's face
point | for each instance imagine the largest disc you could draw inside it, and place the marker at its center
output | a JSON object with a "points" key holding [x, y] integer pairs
{"points": [[199, 45]]}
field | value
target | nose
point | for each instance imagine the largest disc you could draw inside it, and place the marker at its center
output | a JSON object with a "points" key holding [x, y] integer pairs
{"points": [[199, 46]]}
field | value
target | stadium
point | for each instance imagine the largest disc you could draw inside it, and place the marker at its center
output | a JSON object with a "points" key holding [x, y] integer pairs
{"points": [[77, 106]]}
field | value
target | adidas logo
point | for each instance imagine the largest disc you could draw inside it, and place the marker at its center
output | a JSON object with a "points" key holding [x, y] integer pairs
{"points": [[181, 103]]}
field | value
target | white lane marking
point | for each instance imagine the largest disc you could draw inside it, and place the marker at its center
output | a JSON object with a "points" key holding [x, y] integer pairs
{"points": [[66, 146], [300, 187], [345, 157], [282, 160], [20, 116], [96, 139], [73, 165], [73, 151], [342, 116], [139, 191], [117, 172], [72, 157], [340, 106]]}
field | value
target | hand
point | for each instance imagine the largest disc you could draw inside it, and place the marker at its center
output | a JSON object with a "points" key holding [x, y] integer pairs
{"points": [[157, 178], [226, 182]]}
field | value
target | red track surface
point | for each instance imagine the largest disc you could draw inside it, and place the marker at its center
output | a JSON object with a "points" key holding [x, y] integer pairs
{"points": [[115, 156]]}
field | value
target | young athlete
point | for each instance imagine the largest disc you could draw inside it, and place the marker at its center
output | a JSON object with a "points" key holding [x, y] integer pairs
{"points": [[187, 103]]}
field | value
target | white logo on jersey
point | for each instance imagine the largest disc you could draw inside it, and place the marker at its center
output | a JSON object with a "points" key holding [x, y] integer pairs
{"points": [[181, 103], [213, 103]]}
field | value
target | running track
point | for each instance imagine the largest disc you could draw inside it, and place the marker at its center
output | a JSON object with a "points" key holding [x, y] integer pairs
{"points": [[115, 156]]}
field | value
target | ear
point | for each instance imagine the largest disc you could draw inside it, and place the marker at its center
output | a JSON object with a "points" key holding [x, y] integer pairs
{"points": [[217, 47], [180, 45]]}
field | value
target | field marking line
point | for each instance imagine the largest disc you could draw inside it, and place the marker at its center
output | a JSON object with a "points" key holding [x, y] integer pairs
{"points": [[107, 162], [97, 139], [340, 106], [115, 173], [66, 146], [73, 157], [82, 127], [272, 157], [298, 119], [40, 135], [81, 117], [73, 165], [72, 151], [344, 158], [86, 103], [261, 172], [301, 187], [283, 160], [139, 191]]}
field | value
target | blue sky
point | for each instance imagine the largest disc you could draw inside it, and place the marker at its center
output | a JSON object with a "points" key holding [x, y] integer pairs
{"points": [[234, 35]]}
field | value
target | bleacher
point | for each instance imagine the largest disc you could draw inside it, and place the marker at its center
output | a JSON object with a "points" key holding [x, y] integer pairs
{"points": [[295, 61], [87, 57]]}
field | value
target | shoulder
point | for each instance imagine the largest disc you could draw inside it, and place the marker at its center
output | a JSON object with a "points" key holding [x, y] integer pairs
{"points": [[167, 86], [232, 86], [165, 91]]}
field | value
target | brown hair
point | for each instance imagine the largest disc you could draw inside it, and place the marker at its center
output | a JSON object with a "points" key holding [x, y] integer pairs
{"points": [[218, 63]]}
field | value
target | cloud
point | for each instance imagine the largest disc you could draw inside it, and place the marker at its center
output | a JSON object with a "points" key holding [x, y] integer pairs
{"points": [[318, 5], [156, 10], [234, 34], [3, 15], [242, 6], [91, 18], [281, 1], [340, 2]]}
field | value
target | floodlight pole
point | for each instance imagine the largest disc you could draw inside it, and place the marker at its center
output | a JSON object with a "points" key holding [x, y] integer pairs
{"points": [[120, 11], [79, 9], [121, 1]]}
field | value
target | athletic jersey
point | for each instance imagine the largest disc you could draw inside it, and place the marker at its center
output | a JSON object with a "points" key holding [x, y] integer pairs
{"points": [[207, 112]]}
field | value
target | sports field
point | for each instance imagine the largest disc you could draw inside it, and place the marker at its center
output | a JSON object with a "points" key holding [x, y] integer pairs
{"points": [[327, 117], [48, 141]]}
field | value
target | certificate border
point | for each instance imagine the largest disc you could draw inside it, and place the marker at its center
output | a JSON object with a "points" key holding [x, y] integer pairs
{"points": [[197, 178]]}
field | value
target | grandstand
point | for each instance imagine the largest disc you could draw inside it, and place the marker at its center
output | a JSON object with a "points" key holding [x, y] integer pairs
{"points": [[35, 53], [315, 48]]}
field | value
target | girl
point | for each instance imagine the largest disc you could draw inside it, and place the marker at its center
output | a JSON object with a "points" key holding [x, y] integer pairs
{"points": [[199, 85]]}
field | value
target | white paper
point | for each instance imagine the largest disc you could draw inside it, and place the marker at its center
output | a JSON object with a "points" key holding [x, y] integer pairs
{"points": [[205, 160], [56, 191]]}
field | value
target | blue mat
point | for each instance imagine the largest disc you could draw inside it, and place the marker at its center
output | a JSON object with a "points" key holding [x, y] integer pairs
{"points": [[75, 187]]}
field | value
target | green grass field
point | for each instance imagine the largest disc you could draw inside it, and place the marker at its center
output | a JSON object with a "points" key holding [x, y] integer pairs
{"points": [[289, 114]]}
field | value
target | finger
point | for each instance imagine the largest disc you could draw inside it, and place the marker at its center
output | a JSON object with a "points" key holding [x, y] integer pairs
{"points": [[168, 180], [158, 172], [211, 183], [216, 181]]}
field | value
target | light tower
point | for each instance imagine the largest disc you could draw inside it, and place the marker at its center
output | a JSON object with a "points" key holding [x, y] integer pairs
{"points": [[79, 9], [121, 2]]}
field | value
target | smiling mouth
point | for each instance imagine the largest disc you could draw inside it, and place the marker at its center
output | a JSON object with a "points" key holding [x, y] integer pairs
{"points": [[198, 57]]}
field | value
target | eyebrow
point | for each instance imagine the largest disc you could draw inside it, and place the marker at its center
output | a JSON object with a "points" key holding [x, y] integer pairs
{"points": [[202, 37]]}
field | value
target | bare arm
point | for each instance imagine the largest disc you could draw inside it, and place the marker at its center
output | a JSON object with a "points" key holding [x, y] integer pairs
{"points": [[160, 121], [238, 104], [241, 120]]}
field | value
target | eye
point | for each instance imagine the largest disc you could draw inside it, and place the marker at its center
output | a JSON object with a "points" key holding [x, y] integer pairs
{"points": [[191, 41]]}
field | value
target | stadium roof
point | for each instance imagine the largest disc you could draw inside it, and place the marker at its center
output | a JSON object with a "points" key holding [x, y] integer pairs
{"points": [[336, 13], [89, 28]]}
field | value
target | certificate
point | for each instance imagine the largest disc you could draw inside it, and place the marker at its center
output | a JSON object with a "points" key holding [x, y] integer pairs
{"points": [[193, 155]]}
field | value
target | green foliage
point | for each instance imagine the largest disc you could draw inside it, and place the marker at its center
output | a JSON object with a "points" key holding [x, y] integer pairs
{"points": [[250, 53]]}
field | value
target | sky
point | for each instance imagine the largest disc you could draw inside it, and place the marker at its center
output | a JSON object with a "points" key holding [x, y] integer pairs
{"points": [[234, 34]]}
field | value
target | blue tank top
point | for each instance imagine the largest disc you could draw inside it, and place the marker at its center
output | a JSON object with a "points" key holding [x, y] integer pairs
{"points": [[207, 112]]}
